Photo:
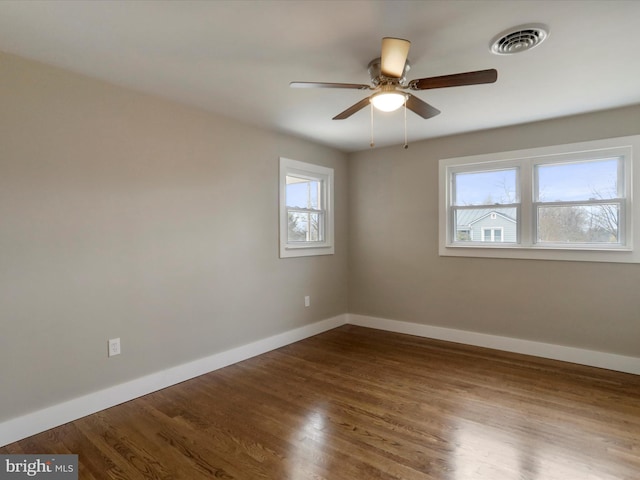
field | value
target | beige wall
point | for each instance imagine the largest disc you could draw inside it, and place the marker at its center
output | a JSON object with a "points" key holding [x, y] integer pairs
{"points": [[123, 215], [395, 271]]}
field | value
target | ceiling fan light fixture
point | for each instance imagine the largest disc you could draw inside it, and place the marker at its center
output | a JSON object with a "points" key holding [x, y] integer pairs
{"points": [[388, 101]]}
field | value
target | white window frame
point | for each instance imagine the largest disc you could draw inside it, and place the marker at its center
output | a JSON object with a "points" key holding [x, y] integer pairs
{"points": [[526, 246], [324, 175]]}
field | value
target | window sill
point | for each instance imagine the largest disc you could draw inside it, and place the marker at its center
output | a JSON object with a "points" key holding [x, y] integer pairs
{"points": [[306, 250], [556, 246], [590, 254]]}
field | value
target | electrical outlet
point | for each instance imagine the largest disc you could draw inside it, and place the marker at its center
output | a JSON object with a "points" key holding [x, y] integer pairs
{"points": [[307, 301], [114, 347]]}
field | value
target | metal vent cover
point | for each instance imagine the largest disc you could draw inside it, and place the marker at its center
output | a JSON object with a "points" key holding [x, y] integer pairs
{"points": [[519, 39]]}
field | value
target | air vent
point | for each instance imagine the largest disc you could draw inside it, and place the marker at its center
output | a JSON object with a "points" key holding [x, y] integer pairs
{"points": [[519, 39]]}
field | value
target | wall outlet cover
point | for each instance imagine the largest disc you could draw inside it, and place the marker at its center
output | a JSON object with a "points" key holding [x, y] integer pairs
{"points": [[114, 347]]}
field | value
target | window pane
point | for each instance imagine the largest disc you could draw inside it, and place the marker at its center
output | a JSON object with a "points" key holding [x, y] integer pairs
{"points": [[304, 227], [485, 188], [579, 223], [303, 193], [477, 224], [563, 182]]}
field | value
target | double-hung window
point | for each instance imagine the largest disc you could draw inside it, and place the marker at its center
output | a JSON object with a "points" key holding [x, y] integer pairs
{"points": [[567, 202], [484, 204], [306, 209], [582, 202]]}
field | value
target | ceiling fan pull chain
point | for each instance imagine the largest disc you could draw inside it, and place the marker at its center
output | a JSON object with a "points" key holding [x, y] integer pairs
{"points": [[406, 144], [372, 144]]}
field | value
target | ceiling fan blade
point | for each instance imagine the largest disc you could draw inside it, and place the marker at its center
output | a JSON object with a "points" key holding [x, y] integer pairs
{"points": [[352, 109], [355, 86], [455, 80], [421, 107], [394, 56]]}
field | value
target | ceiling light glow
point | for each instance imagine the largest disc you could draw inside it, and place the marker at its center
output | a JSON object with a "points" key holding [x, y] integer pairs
{"points": [[388, 101]]}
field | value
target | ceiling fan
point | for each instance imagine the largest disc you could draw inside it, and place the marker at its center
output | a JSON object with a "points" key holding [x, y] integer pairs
{"points": [[389, 84]]}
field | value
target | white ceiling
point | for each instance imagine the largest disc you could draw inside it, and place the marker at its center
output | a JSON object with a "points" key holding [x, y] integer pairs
{"points": [[237, 58]]}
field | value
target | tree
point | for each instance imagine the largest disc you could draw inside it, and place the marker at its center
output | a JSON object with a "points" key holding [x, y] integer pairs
{"points": [[588, 223], [578, 223], [562, 224], [605, 216], [303, 227], [297, 232]]}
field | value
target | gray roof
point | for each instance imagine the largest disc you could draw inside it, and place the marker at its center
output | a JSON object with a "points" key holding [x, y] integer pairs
{"points": [[470, 216]]}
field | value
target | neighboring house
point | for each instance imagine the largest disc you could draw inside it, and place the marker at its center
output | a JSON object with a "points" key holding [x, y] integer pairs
{"points": [[486, 225]]}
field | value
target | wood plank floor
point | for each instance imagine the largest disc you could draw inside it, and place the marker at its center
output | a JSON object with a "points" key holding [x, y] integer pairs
{"points": [[362, 404]]}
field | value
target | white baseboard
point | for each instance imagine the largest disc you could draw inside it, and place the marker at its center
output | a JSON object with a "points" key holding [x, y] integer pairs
{"points": [[41, 420], [591, 358], [50, 417]]}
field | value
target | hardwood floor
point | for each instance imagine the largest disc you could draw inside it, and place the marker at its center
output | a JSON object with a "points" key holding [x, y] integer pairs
{"points": [[361, 404]]}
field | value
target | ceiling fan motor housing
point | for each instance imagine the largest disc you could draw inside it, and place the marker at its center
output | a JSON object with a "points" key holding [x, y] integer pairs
{"points": [[377, 78]]}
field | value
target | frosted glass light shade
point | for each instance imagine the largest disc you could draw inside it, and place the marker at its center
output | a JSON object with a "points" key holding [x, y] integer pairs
{"points": [[388, 101]]}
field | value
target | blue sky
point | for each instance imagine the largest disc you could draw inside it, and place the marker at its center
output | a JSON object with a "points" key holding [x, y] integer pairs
{"points": [[578, 181], [303, 194], [495, 186], [557, 182]]}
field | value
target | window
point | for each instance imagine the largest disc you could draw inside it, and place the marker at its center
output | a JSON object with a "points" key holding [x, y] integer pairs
{"points": [[580, 202], [306, 209], [492, 234], [567, 202], [463, 234]]}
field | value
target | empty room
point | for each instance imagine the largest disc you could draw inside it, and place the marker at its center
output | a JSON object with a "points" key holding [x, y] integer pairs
{"points": [[328, 240]]}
